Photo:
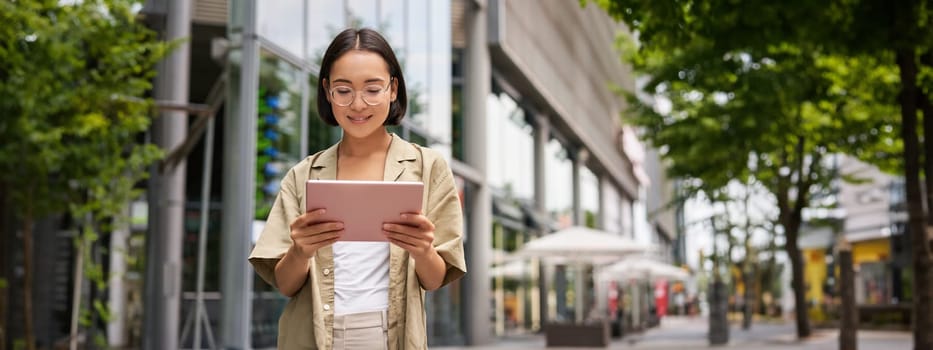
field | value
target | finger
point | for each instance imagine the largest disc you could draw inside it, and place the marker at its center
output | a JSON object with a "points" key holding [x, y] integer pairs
{"points": [[419, 220], [402, 244], [323, 227], [317, 216], [419, 233], [408, 239], [318, 238], [403, 229], [325, 243], [410, 220], [317, 228], [312, 249], [307, 218], [314, 239]]}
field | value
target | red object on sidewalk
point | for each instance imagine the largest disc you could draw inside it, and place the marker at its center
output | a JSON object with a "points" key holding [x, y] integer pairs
{"points": [[613, 298], [660, 297]]}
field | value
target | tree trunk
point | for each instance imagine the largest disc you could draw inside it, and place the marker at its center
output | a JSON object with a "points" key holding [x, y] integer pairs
{"points": [[4, 290], [733, 287], [848, 339], [923, 263], [756, 293], [923, 295], [762, 280], [746, 267], [790, 218], [27, 279], [926, 107], [749, 297], [92, 329], [77, 291], [718, 314], [718, 332], [97, 294], [768, 277], [800, 300], [790, 215]]}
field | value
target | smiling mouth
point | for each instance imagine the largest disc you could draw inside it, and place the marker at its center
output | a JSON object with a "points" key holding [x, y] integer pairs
{"points": [[359, 120]]}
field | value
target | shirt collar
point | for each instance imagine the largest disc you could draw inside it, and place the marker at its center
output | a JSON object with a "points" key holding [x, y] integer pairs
{"points": [[400, 154]]}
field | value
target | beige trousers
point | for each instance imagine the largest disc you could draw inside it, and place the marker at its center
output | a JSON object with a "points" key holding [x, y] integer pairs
{"points": [[367, 330]]}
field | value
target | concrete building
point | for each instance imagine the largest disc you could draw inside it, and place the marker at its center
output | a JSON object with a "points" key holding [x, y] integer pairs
{"points": [[872, 217]]}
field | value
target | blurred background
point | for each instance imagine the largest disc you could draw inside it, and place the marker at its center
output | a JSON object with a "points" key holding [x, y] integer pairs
{"points": [[620, 164]]}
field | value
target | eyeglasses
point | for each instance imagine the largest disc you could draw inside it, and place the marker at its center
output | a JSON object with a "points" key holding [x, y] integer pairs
{"points": [[372, 94]]}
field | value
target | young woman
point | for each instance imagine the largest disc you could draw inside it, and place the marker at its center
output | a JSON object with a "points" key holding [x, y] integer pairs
{"points": [[361, 295]]}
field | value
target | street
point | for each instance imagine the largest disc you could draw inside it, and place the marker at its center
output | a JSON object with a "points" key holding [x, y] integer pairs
{"points": [[683, 333]]}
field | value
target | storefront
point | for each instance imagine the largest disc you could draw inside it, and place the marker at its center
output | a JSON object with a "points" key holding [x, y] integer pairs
{"points": [[874, 279], [814, 275]]}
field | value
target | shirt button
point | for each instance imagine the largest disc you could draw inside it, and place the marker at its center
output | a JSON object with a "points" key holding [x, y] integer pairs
{"points": [[326, 307], [326, 272]]}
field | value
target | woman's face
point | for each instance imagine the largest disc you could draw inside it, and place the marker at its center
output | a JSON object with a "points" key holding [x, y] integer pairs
{"points": [[360, 92]]}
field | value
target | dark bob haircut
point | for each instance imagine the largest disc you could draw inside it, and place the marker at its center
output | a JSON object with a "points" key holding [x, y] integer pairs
{"points": [[366, 40]]}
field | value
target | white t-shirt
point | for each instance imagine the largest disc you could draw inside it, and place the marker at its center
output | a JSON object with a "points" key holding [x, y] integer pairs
{"points": [[361, 277]]}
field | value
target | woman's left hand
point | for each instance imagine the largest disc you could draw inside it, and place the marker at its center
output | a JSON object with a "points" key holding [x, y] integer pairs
{"points": [[412, 232]]}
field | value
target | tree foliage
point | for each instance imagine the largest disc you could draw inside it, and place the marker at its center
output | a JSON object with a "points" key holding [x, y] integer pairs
{"points": [[869, 39], [730, 109], [74, 76], [752, 97]]}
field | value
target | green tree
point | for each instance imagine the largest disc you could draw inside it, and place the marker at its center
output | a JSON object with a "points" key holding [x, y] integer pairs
{"points": [[750, 98], [899, 34], [874, 34], [73, 76]]}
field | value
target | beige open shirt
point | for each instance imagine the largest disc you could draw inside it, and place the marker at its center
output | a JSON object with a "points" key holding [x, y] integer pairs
{"points": [[308, 319]]}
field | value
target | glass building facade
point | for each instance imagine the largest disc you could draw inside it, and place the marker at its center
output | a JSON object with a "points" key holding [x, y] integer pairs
{"points": [[431, 41], [299, 31], [292, 36]]}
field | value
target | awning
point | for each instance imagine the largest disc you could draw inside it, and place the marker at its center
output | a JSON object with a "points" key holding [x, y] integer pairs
{"points": [[537, 220], [508, 214]]}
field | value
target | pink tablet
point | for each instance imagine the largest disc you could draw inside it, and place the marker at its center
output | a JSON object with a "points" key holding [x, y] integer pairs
{"points": [[363, 206]]}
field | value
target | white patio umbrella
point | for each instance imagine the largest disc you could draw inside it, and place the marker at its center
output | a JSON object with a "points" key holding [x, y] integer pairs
{"points": [[636, 267], [514, 269], [581, 245]]}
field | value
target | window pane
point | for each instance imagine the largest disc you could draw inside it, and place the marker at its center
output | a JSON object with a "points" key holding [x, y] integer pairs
{"points": [[559, 181], [511, 148], [320, 134], [418, 138], [589, 196], [628, 218], [438, 72], [325, 20], [415, 62], [363, 13], [611, 209], [392, 23], [278, 143], [281, 22], [456, 111]]}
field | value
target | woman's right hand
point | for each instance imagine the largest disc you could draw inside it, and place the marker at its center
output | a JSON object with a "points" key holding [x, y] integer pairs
{"points": [[309, 233]]}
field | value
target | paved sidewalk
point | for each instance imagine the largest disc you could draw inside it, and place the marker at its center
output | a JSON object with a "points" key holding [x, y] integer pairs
{"points": [[681, 333]]}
